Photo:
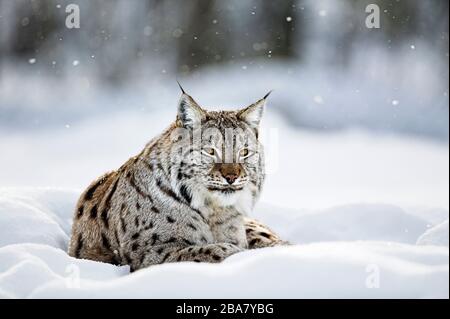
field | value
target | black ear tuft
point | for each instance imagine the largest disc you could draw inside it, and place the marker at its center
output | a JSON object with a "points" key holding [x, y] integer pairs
{"points": [[181, 88], [267, 95]]}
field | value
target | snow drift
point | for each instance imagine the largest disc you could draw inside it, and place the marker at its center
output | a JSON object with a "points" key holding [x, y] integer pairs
{"points": [[360, 256]]}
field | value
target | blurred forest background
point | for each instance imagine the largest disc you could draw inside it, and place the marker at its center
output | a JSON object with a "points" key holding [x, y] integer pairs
{"points": [[329, 71]]}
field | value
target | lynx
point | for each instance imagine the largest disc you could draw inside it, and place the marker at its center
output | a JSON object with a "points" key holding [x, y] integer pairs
{"points": [[185, 197]]}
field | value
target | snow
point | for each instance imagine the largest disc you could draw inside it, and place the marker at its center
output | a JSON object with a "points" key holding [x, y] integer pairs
{"points": [[309, 271], [346, 223], [323, 13], [44, 270], [359, 251]]}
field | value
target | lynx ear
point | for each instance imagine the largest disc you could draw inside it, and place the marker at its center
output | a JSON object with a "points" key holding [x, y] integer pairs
{"points": [[252, 114], [190, 114]]}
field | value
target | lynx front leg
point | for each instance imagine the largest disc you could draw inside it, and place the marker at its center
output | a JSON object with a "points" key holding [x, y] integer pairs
{"points": [[212, 253], [260, 236]]}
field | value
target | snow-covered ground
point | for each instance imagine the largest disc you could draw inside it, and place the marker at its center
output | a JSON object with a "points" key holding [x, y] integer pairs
{"points": [[368, 214], [370, 252]]}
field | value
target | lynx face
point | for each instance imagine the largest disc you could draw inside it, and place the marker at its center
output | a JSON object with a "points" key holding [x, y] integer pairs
{"points": [[230, 155], [226, 160]]}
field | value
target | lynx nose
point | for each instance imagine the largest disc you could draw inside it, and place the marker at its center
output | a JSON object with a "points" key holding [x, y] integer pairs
{"points": [[231, 178], [230, 172]]}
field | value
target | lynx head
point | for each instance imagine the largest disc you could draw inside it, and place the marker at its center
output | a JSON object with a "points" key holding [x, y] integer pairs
{"points": [[225, 161]]}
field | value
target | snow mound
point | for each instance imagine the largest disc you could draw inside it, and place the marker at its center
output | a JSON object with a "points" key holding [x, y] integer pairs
{"points": [[360, 251], [438, 235], [42, 216], [321, 270], [347, 223]]}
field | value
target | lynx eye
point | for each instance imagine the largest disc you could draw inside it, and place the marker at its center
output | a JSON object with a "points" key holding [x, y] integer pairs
{"points": [[244, 152]]}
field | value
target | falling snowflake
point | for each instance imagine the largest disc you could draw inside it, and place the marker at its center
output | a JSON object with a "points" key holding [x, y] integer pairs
{"points": [[323, 13], [148, 30], [177, 33], [75, 63], [32, 61], [25, 21], [318, 99], [413, 47], [260, 46], [288, 19], [395, 102]]}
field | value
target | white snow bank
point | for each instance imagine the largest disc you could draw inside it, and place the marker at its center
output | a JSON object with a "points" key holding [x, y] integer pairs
{"points": [[25, 267], [345, 223], [35, 225], [41, 216], [364, 270], [438, 235]]}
